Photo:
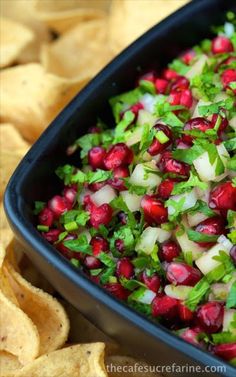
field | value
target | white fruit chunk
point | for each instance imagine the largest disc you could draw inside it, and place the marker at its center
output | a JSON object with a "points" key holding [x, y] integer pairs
{"points": [[145, 117], [197, 67], [189, 202], [205, 170], [206, 263], [147, 297], [147, 240], [140, 176], [196, 218], [188, 245], [131, 200], [229, 317], [225, 242], [162, 235], [180, 292], [135, 137], [232, 123], [105, 195]]}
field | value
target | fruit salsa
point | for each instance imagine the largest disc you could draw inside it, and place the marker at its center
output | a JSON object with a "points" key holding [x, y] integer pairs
{"points": [[149, 211]]}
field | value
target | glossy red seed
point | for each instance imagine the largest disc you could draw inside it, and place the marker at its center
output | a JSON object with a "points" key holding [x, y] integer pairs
{"points": [[94, 130], [221, 45], [185, 142], [165, 188], [96, 186], [212, 226], [154, 210], [58, 205], [168, 251], [179, 84], [180, 273], [124, 268], [200, 124], [223, 197], [101, 215], [228, 76], [117, 290], [161, 86], [70, 194], [117, 182], [152, 282], [135, 109], [147, 76], [188, 56], [210, 316], [183, 98], [96, 157], [92, 262], [233, 254], [46, 217], [120, 246], [191, 335], [118, 155], [156, 146], [52, 235], [99, 244], [169, 74], [226, 351], [165, 306], [185, 314], [168, 164]]}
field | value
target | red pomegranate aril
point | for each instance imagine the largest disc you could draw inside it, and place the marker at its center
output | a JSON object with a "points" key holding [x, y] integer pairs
{"points": [[179, 84], [185, 314], [232, 254], [183, 98], [221, 45], [96, 157], [161, 86], [94, 130], [120, 246], [154, 210], [153, 282], [99, 244], [92, 262], [165, 188], [96, 186], [188, 56], [191, 335], [226, 351], [52, 235], [117, 182], [70, 194], [117, 290], [148, 76], [228, 76], [101, 215], [210, 316], [200, 124], [184, 142], [212, 226], [223, 197], [59, 205], [124, 268], [46, 217], [223, 123], [180, 273], [118, 155], [168, 164], [165, 306], [168, 251], [135, 108], [156, 146], [169, 74]]}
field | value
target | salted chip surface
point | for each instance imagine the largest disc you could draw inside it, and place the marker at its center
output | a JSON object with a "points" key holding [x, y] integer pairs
{"points": [[85, 49], [45, 311], [8, 363]]}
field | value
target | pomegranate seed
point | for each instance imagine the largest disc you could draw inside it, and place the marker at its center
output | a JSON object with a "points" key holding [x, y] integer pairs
{"points": [[152, 282], [229, 60], [94, 130], [228, 76], [210, 316], [161, 86], [46, 217], [183, 98], [99, 244], [52, 235], [226, 351], [117, 182], [148, 76], [223, 197], [185, 314], [179, 84], [134, 109], [169, 74], [122, 217], [191, 335], [101, 215], [165, 306], [124, 268], [182, 143], [165, 188], [58, 205], [168, 164], [117, 290], [119, 244], [96, 186], [223, 124], [200, 124], [233, 254], [96, 157], [70, 194], [154, 210], [180, 273], [118, 155], [156, 146], [211, 226], [169, 250], [221, 44], [188, 56], [92, 262]]}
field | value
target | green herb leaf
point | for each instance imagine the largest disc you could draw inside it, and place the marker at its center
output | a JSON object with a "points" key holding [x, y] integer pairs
{"points": [[201, 237], [147, 86], [193, 181], [224, 337], [197, 293], [231, 299], [119, 102], [79, 245], [38, 206], [178, 66], [122, 125], [98, 176]]}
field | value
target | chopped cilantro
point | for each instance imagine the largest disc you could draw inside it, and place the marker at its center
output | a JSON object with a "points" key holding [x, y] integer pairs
{"points": [[134, 189], [231, 299], [224, 337], [202, 207], [201, 237], [147, 86], [178, 66], [197, 293], [119, 102], [38, 206], [122, 125], [193, 181], [79, 245], [98, 176]]}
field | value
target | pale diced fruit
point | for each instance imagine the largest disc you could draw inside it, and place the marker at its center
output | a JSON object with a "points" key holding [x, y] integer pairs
{"points": [[229, 317], [105, 195], [220, 291], [205, 170], [232, 122], [147, 297], [190, 201], [206, 263], [180, 292], [189, 246], [135, 137], [197, 67], [147, 240], [196, 218], [145, 117], [225, 242], [162, 235], [140, 177], [131, 200]]}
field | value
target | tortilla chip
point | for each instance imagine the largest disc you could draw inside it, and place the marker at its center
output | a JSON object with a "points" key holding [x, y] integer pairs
{"points": [[64, 14], [13, 148], [8, 363], [44, 310], [5, 231], [14, 37], [18, 334], [30, 98], [14, 253], [6, 287], [83, 360], [120, 365], [23, 12], [127, 22], [80, 53], [2, 253]]}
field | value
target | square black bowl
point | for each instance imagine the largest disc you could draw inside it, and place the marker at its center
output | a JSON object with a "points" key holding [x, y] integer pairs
{"points": [[34, 179]]}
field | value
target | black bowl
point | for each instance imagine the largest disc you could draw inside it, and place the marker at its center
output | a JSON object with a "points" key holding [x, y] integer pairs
{"points": [[34, 179]]}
